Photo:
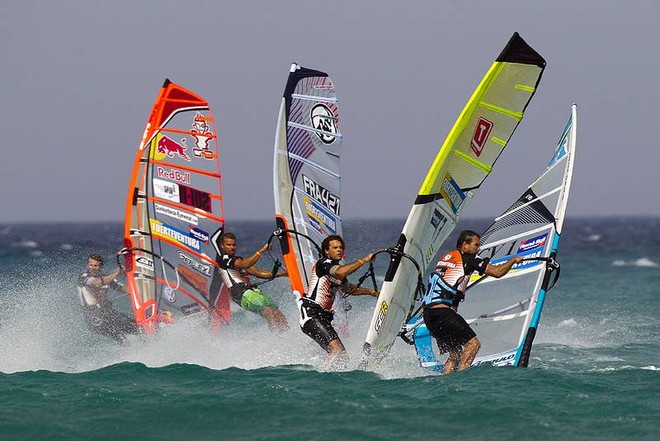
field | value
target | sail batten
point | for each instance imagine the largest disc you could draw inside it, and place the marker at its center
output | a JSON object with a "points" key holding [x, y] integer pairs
{"points": [[316, 98], [513, 114], [485, 167]]}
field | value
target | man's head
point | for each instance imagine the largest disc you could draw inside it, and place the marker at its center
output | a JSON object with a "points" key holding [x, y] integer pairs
{"points": [[333, 247], [94, 263], [228, 244], [468, 242]]}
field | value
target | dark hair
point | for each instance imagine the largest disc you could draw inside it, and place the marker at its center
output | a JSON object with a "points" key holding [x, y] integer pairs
{"points": [[466, 236], [228, 236], [95, 256], [325, 245]]}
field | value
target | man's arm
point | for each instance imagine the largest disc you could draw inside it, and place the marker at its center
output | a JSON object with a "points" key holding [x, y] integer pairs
{"points": [[118, 286], [98, 282], [263, 274], [244, 264], [353, 290], [498, 271], [343, 271]]}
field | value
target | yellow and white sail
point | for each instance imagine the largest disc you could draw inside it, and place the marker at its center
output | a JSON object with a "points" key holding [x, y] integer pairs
{"points": [[466, 158]]}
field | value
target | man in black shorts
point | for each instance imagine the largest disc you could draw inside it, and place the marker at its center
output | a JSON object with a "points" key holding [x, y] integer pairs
{"points": [[447, 285], [96, 304], [328, 277]]}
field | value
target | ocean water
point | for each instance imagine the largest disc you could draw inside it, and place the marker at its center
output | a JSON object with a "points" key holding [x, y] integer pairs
{"points": [[593, 375]]}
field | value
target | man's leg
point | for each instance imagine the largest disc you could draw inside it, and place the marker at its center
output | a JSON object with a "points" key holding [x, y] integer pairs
{"points": [[337, 355], [276, 320], [452, 361], [469, 353]]}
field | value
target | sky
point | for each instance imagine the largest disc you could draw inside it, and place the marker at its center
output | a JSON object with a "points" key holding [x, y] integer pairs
{"points": [[79, 79]]}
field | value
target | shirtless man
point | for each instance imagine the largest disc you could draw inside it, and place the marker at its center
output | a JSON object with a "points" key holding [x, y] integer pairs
{"points": [[235, 270]]}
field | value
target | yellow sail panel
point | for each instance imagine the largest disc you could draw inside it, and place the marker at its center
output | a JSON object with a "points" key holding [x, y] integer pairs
{"points": [[484, 127]]}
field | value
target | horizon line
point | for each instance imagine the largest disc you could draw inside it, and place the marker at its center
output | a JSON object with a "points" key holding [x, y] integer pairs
{"points": [[349, 219]]}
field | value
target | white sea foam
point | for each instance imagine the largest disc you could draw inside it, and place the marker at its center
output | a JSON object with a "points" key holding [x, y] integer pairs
{"points": [[642, 262], [25, 244], [41, 328], [44, 330], [570, 323]]}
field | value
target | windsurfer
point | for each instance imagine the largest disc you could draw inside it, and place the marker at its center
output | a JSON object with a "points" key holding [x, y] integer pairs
{"points": [[235, 270], [447, 286], [97, 307], [328, 277]]}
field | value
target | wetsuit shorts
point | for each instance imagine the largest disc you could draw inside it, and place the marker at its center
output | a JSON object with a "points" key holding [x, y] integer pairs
{"points": [[108, 321], [254, 300], [316, 322], [450, 330]]}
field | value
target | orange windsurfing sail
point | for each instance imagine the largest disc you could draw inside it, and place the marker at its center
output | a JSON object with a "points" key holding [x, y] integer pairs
{"points": [[175, 215]]}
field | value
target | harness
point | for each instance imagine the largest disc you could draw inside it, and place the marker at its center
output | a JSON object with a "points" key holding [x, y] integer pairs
{"points": [[238, 286], [100, 295], [440, 292]]}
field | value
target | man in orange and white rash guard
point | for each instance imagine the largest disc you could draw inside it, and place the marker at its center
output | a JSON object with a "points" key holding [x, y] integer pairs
{"points": [[447, 285]]}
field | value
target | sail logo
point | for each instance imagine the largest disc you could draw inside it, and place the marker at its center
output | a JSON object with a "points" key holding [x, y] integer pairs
{"points": [[144, 262], [500, 361], [531, 243], [321, 194], [319, 218], [169, 294], [166, 190], [168, 147], [200, 267], [438, 222], [480, 135], [176, 214], [202, 133], [174, 175], [193, 279], [190, 309], [382, 313], [324, 120], [165, 231], [453, 193], [324, 84], [201, 235], [562, 146]]}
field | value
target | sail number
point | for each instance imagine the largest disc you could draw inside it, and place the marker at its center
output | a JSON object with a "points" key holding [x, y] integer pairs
{"points": [[195, 198]]}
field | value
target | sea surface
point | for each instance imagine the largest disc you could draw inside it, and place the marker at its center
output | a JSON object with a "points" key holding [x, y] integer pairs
{"points": [[593, 375]]}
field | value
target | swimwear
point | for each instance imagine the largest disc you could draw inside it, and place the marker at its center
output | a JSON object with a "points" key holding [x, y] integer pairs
{"points": [[316, 306], [316, 322], [450, 330], [255, 301]]}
